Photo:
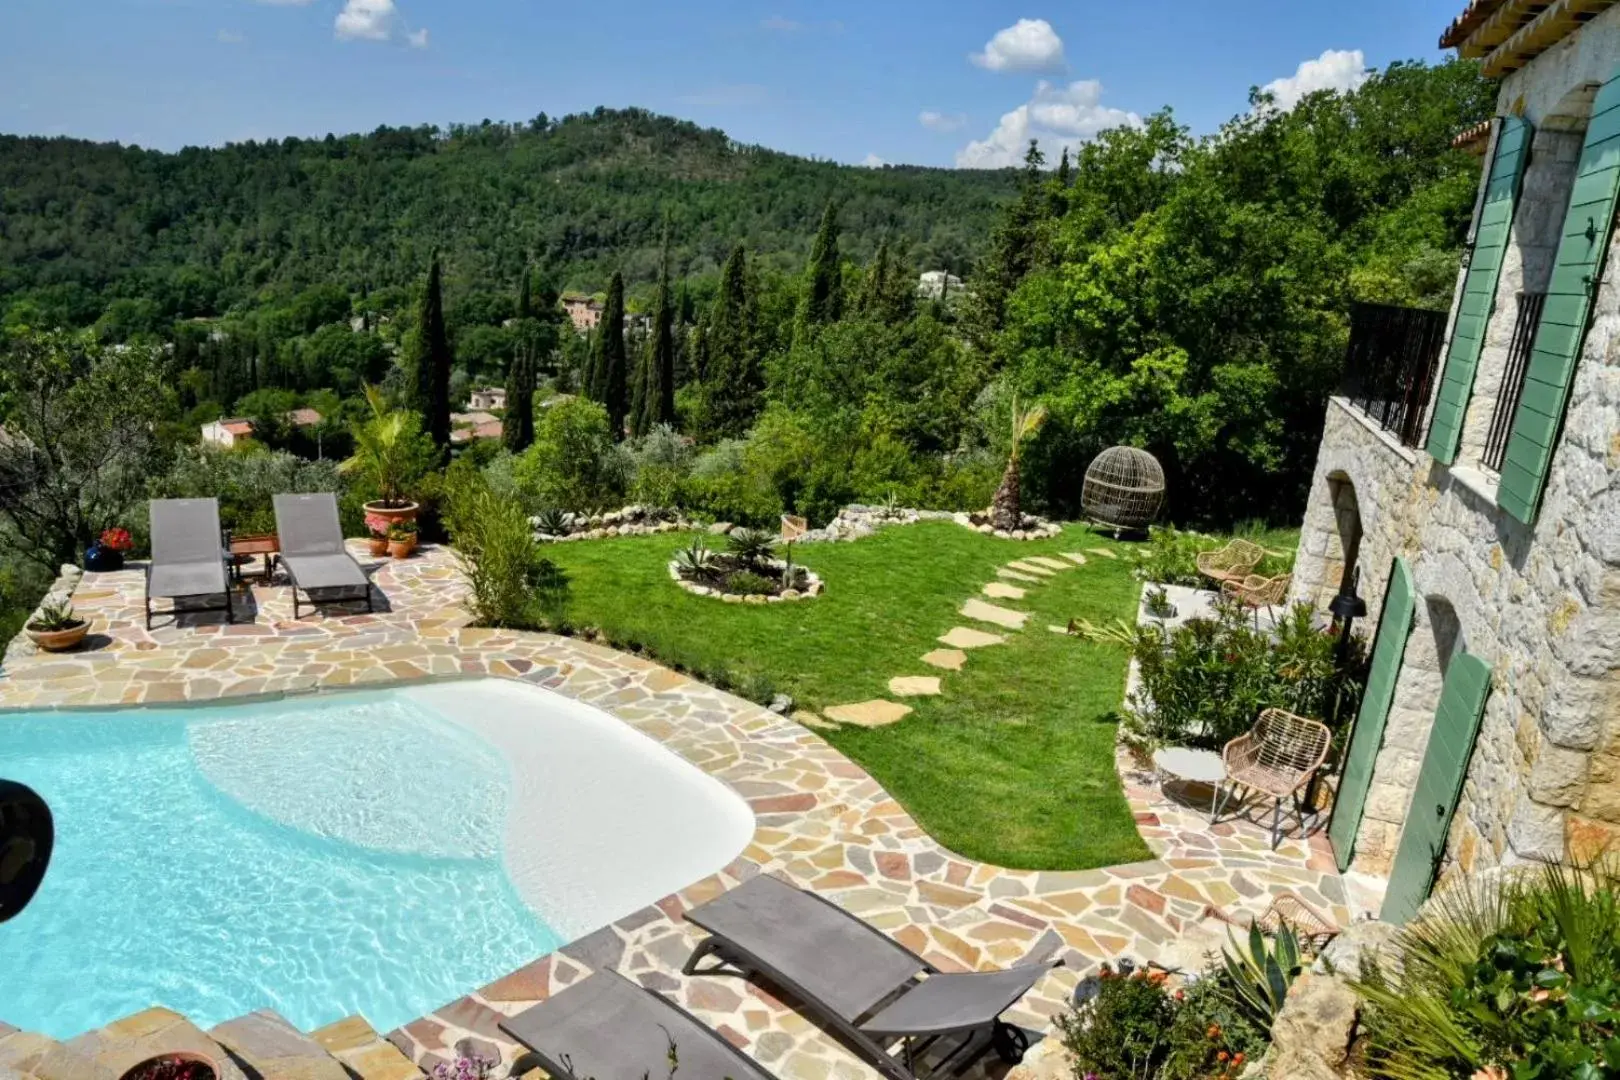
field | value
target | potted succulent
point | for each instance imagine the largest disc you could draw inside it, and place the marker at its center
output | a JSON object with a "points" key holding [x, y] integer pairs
{"points": [[56, 628], [402, 539], [174, 1065], [377, 534], [391, 451], [107, 553]]}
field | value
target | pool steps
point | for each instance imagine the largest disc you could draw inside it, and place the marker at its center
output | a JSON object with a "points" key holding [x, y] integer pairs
{"points": [[259, 1046]]}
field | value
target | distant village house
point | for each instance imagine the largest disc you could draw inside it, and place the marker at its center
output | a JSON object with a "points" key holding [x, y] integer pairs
{"points": [[228, 432]]}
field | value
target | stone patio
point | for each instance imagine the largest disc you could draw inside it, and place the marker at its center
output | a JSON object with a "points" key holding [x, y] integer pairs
{"points": [[822, 822]]}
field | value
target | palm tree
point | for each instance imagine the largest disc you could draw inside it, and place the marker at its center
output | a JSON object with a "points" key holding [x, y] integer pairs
{"points": [[1005, 512], [388, 449]]}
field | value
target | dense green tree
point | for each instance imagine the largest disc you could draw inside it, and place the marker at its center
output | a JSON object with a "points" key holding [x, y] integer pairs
{"points": [[888, 291], [824, 277], [1018, 245], [612, 368], [733, 380], [430, 361]]}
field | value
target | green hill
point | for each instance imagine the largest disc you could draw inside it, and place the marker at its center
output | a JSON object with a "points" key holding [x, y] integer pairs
{"points": [[204, 230]]}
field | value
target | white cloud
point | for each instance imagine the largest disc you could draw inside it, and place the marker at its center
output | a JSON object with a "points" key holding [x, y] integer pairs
{"points": [[934, 120], [418, 39], [1336, 69], [367, 20], [1057, 117], [872, 161], [231, 37], [1026, 45]]}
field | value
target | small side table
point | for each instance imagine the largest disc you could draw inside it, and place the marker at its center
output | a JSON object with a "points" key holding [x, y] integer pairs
{"points": [[1200, 766], [245, 548]]}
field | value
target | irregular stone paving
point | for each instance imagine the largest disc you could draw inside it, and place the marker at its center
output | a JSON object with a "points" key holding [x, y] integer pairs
{"points": [[945, 659], [914, 685], [821, 822], [1014, 575], [1000, 590], [874, 713], [965, 637], [1003, 617]]}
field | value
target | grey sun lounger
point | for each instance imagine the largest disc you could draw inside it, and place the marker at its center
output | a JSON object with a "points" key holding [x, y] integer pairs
{"points": [[189, 557], [312, 548], [608, 1028], [860, 982]]}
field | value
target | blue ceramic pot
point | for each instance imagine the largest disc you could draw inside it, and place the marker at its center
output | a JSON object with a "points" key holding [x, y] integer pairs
{"points": [[103, 560]]}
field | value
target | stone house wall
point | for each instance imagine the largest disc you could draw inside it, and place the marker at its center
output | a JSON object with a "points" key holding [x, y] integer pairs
{"points": [[1541, 604]]}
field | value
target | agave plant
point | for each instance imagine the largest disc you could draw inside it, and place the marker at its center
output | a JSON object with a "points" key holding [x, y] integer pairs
{"points": [[552, 522], [696, 559], [751, 547], [1262, 973], [55, 617], [1006, 512]]}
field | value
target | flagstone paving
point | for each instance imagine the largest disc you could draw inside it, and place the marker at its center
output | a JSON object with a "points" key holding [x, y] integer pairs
{"points": [[914, 685], [1000, 590], [965, 637], [1075, 557], [1025, 566], [821, 822], [875, 713], [945, 659], [1049, 563], [990, 613]]}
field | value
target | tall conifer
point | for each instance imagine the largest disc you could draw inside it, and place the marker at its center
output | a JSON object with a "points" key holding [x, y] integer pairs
{"points": [[734, 382], [431, 361], [824, 283], [658, 382], [613, 374]]}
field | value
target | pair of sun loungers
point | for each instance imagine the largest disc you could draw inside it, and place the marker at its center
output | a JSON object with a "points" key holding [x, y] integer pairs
{"points": [[191, 557], [888, 1004]]}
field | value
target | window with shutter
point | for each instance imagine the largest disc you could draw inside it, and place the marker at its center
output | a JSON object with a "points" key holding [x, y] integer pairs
{"points": [[1479, 289], [1568, 307], [1394, 627]]}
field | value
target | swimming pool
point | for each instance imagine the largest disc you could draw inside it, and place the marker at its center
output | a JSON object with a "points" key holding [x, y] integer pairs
{"points": [[374, 853]]}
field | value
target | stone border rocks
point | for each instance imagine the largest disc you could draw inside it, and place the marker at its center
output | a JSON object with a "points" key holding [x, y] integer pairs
{"points": [[812, 587], [628, 521], [858, 520], [1030, 527]]}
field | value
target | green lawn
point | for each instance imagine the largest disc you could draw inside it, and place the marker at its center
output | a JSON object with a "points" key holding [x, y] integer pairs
{"points": [[1013, 764]]}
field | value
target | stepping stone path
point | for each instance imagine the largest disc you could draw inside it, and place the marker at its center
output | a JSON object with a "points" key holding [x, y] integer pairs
{"points": [[990, 613], [964, 637], [1049, 563], [914, 685], [1013, 575], [870, 714], [1027, 567], [811, 720], [947, 659], [1000, 590], [1104, 552], [1075, 557]]}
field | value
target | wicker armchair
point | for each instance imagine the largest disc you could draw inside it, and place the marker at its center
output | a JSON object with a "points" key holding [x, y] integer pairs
{"points": [[1255, 592], [1234, 562], [1278, 757]]}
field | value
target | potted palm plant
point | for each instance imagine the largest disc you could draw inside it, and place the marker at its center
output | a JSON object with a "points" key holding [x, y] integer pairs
{"points": [[56, 628], [391, 452]]}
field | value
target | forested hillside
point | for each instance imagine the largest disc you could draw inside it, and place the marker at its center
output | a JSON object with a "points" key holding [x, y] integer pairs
{"points": [[202, 231]]}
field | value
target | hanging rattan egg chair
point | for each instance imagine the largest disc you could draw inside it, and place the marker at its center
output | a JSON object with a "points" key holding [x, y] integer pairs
{"points": [[1124, 489]]}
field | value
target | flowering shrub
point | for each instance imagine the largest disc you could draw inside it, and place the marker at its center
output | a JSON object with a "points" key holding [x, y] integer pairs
{"points": [[117, 539], [378, 526]]}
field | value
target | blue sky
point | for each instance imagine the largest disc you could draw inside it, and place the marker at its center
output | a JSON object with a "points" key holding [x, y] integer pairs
{"points": [[934, 82]]}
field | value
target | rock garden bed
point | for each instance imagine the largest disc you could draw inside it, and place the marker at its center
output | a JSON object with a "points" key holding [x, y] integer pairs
{"points": [[559, 526], [748, 572], [1030, 527]]}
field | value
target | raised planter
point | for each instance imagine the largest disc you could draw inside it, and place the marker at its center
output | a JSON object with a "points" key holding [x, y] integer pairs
{"points": [[103, 560], [59, 640]]}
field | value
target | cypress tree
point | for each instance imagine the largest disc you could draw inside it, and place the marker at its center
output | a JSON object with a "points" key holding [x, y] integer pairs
{"points": [[612, 365], [824, 283], [658, 382], [431, 361], [588, 383], [517, 432], [734, 383]]}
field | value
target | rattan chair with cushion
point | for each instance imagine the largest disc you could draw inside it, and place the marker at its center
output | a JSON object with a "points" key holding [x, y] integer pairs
{"points": [[1278, 757], [1234, 562]]}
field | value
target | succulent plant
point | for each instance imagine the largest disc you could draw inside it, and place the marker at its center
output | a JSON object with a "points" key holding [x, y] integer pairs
{"points": [[751, 547], [552, 522], [1262, 973], [53, 618], [696, 559]]}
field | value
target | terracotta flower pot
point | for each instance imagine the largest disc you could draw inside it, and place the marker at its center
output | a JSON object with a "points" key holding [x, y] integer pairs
{"points": [[401, 549], [379, 546], [392, 514], [59, 640], [176, 1065]]}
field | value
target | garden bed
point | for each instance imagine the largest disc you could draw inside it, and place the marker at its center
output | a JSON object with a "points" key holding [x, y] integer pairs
{"points": [[737, 581], [555, 527], [1030, 527]]}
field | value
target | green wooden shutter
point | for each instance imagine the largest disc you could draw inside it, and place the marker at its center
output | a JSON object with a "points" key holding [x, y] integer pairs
{"points": [[1562, 332], [1394, 627], [1439, 786], [1479, 289]]}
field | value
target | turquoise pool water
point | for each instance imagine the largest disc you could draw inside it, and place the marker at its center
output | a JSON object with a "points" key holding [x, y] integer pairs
{"points": [[320, 857]]}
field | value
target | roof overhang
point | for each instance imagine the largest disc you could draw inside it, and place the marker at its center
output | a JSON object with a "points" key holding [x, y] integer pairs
{"points": [[1505, 35]]}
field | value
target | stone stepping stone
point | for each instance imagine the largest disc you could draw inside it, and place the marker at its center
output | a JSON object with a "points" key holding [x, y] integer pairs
{"points": [[946, 659], [1075, 557], [990, 613], [1029, 568], [1049, 562], [963, 637], [914, 685], [870, 714], [1013, 575], [1000, 590], [1057, 629], [1104, 552], [812, 720]]}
